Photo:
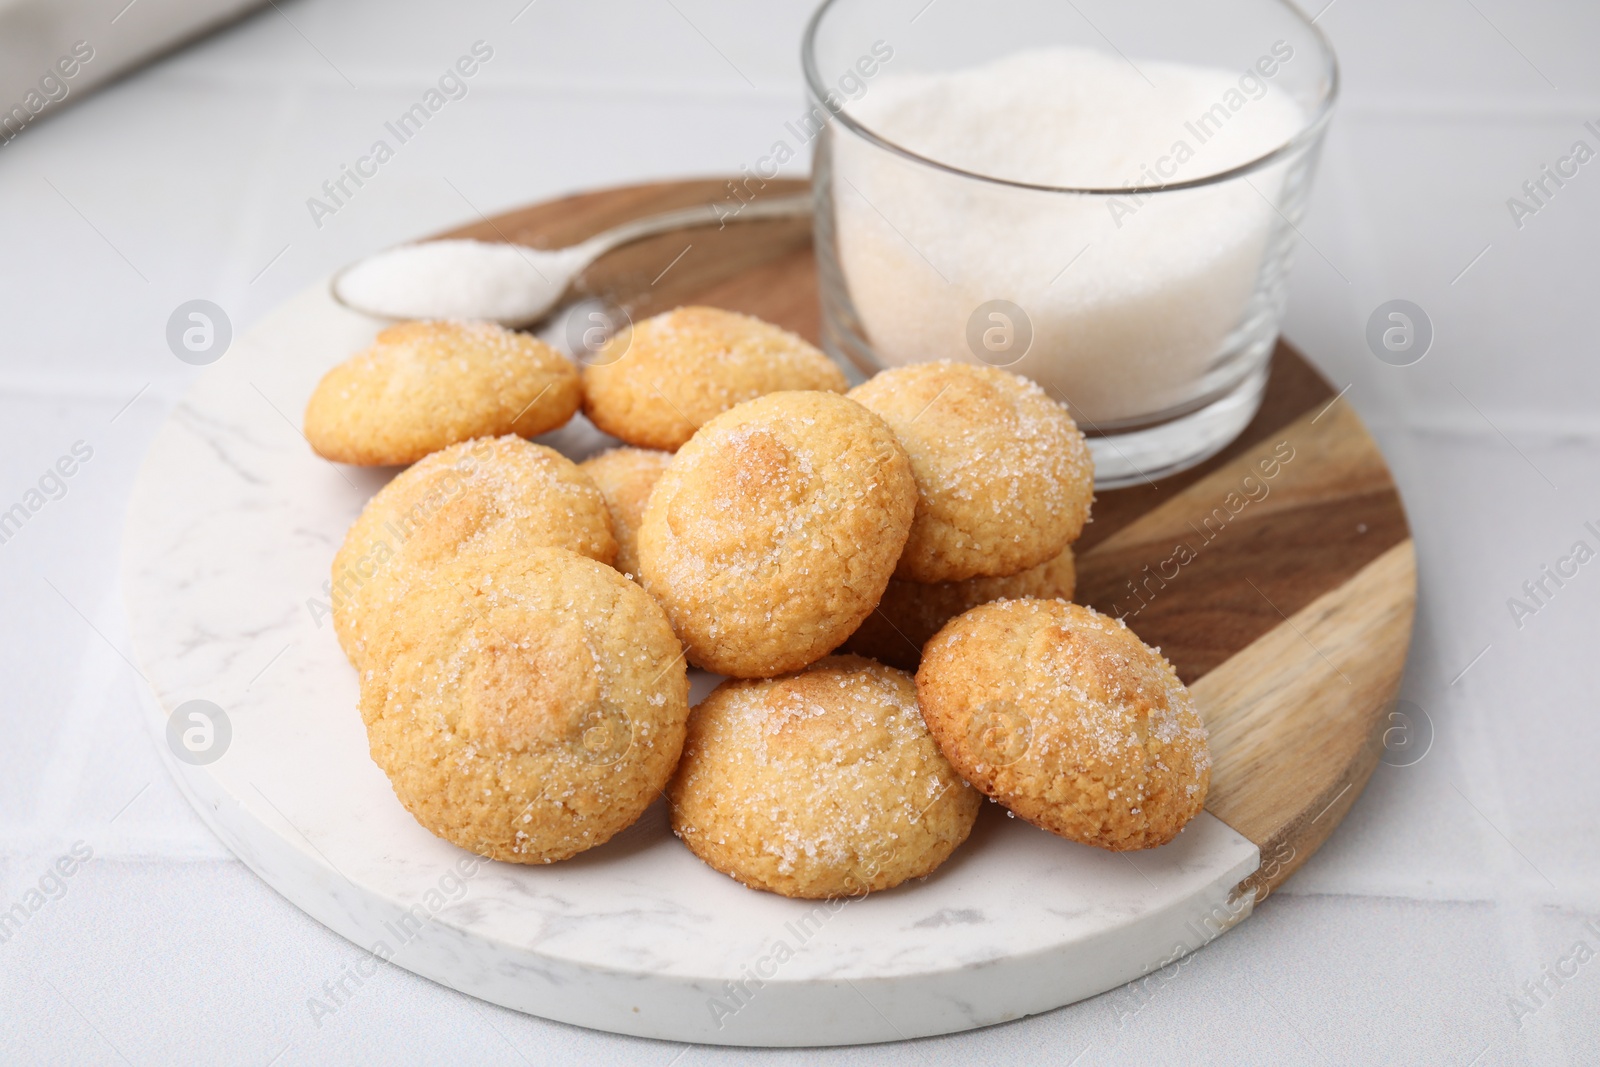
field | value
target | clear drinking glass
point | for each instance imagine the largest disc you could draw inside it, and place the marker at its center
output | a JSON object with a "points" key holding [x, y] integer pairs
{"points": [[1140, 282]]}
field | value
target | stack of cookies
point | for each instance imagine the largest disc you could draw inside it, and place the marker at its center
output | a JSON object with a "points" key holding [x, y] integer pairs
{"points": [[522, 625]]}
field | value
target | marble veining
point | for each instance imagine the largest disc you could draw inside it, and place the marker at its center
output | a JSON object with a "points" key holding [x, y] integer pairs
{"points": [[229, 538]]}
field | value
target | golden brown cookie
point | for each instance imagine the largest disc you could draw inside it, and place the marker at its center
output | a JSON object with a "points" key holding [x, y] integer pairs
{"points": [[477, 498], [657, 382], [625, 477], [774, 531], [819, 784], [1064, 716], [1004, 476], [423, 386], [910, 613], [533, 704]]}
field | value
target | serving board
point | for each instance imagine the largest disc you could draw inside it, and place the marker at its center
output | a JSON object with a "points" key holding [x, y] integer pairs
{"points": [[1278, 578]]}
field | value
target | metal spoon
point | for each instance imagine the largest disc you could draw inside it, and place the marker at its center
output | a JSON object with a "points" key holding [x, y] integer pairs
{"points": [[405, 282]]}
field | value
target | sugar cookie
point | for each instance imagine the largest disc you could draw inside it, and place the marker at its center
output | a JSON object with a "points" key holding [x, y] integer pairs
{"points": [[656, 383], [910, 613], [476, 498], [1004, 477], [423, 386], [625, 477], [819, 784], [532, 704], [1064, 716], [774, 531]]}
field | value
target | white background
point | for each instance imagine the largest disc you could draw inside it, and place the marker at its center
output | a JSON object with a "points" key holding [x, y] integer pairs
{"points": [[1450, 884]]}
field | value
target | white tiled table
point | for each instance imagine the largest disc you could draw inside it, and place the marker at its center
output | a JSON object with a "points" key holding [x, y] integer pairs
{"points": [[1452, 882]]}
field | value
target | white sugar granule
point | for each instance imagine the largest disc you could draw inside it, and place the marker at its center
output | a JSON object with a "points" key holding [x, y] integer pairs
{"points": [[1153, 287]]}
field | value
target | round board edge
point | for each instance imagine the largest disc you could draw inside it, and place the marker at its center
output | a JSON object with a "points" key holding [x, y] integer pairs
{"points": [[1307, 826]]}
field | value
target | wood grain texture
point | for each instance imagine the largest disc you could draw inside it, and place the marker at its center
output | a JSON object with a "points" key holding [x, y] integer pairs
{"points": [[1277, 576], [1216, 566], [1294, 717]]}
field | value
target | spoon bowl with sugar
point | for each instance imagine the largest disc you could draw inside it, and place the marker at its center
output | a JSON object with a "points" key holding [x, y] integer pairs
{"points": [[511, 284]]}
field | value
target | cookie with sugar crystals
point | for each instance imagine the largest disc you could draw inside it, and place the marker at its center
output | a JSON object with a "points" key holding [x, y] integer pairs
{"points": [[1064, 716], [531, 706], [819, 784], [657, 382], [423, 386], [773, 532], [625, 476], [910, 613], [477, 498], [1004, 476]]}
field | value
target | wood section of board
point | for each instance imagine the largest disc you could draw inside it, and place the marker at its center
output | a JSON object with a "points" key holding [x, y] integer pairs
{"points": [[1294, 716], [1277, 576], [1241, 535]]}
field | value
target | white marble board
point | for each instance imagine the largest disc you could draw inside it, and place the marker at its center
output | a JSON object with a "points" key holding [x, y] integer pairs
{"points": [[230, 534]]}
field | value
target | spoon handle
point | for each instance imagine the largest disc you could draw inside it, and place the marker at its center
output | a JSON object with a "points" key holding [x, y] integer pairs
{"points": [[778, 207]]}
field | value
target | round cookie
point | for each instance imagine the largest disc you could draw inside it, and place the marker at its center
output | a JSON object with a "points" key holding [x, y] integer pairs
{"points": [[774, 531], [477, 498], [532, 706], [1064, 716], [819, 784], [625, 477], [910, 613], [1004, 476], [657, 382], [423, 386]]}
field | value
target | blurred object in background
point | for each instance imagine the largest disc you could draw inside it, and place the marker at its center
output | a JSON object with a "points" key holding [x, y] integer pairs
{"points": [[52, 51]]}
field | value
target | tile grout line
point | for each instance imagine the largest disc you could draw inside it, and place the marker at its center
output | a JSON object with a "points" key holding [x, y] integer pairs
{"points": [[1508, 870]]}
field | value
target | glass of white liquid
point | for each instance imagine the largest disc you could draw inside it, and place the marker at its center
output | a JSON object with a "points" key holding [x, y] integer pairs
{"points": [[1102, 195]]}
